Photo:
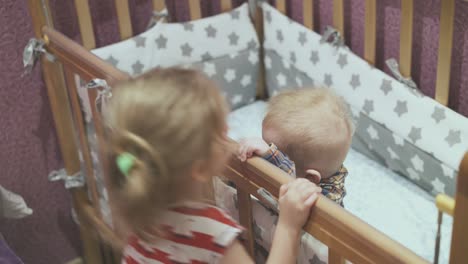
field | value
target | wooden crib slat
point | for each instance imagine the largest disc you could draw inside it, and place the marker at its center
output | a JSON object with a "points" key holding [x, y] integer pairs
{"points": [[459, 247], [226, 5], [158, 5], [308, 13], [91, 249], [123, 16], [281, 6], [79, 125], [261, 87], [195, 11], [55, 82], [245, 218], [334, 257], [445, 51], [406, 36], [370, 31], [85, 23], [338, 16]]}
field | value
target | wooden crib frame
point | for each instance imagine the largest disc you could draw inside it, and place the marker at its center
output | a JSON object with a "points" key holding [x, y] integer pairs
{"points": [[346, 236]]}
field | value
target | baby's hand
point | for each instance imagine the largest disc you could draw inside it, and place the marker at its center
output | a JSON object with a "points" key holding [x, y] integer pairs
{"points": [[295, 201], [251, 146]]}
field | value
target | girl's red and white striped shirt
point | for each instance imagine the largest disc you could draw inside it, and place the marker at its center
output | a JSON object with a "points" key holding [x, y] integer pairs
{"points": [[194, 233]]}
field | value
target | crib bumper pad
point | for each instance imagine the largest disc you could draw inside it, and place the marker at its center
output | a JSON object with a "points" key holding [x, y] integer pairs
{"points": [[410, 133], [225, 47]]}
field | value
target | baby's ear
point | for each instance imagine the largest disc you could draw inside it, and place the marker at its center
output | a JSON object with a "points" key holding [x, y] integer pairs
{"points": [[313, 176]]}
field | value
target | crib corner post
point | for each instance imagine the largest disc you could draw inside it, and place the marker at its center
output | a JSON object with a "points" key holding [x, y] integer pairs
{"points": [[54, 79], [459, 247]]}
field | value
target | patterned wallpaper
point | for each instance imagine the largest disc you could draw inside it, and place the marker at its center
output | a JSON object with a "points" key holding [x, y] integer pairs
{"points": [[29, 150], [28, 145]]}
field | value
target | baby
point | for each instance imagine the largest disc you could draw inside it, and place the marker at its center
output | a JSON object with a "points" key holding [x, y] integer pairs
{"points": [[307, 133]]}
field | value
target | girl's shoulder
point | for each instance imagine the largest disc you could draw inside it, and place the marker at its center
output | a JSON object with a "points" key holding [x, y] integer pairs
{"points": [[192, 231], [204, 212]]}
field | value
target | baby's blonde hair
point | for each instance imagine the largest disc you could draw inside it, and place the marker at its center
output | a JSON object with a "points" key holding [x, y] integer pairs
{"points": [[307, 121], [168, 119]]}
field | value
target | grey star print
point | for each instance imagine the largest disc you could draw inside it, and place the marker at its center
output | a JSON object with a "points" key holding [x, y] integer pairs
{"points": [[257, 231], [235, 14], [316, 260], [113, 61], [355, 81], [386, 86], [139, 41], [342, 60], [328, 80], [206, 56], [453, 138], [302, 38], [401, 108], [314, 57], [368, 106], [137, 67], [210, 31], [252, 44], [188, 27], [438, 114], [292, 57], [279, 35], [161, 42], [233, 38], [186, 50], [268, 16], [415, 134]]}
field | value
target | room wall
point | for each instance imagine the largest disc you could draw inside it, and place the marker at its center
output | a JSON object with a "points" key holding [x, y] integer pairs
{"points": [[29, 150], [28, 144]]}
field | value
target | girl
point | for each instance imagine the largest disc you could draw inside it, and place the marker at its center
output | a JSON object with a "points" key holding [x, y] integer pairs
{"points": [[167, 140]]}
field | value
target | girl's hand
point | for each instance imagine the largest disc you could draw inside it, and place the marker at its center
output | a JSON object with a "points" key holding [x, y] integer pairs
{"points": [[251, 146], [295, 201]]}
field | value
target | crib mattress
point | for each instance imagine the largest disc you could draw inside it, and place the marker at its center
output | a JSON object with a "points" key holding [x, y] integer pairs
{"points": [[377, 195]]}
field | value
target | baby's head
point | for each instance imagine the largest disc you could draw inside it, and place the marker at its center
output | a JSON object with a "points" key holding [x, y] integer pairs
{"points": [[312, 126], [168, 128]]}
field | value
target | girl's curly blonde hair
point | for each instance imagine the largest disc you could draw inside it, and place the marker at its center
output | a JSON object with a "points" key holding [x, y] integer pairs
{"points": [[167, 119]]}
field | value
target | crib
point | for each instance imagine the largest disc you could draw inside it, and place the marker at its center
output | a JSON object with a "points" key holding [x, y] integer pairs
{"points": [[70, 68]]}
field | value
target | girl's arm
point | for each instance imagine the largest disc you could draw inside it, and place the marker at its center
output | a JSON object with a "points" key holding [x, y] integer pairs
{"points": [[296, 200], [235, 254]]}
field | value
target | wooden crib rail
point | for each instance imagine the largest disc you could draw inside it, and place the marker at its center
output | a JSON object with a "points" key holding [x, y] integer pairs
{"points": [[81, 61], [75, 59], [346, 235]]}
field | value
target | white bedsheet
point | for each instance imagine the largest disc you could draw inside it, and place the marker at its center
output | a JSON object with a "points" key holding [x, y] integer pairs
{"points": [[377, 195]]}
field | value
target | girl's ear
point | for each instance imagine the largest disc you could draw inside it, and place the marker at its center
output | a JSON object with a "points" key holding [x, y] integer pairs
{"points": [[313, 175], [201, 171]]}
